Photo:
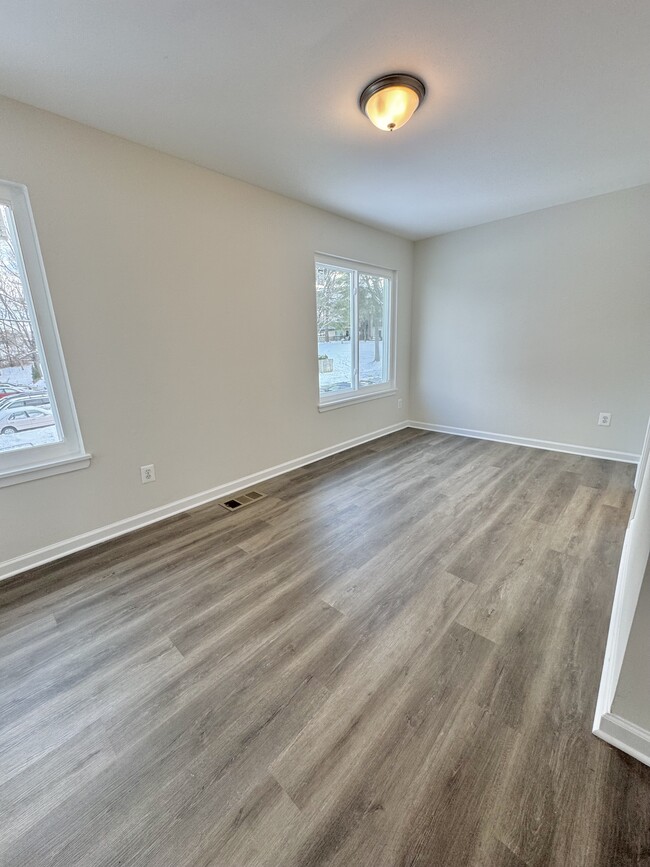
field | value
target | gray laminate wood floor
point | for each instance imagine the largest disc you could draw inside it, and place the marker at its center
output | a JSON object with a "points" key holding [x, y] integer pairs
{"points": [[391, 660]]}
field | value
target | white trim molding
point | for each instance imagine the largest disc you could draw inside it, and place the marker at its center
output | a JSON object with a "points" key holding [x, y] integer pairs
{"points": [[634, 560], [67, 452], [136, 522], [569, 448], [625, 736], [358, 397], [616, 636], [41, 471]]}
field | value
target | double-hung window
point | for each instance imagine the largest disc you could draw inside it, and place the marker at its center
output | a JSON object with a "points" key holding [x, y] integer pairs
{"points": [[355, 331], [46, 439]]}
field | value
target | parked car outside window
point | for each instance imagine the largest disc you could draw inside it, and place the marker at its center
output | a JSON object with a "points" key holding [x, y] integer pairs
{"points": [[39, 398], [13, 421], [6, 389]]}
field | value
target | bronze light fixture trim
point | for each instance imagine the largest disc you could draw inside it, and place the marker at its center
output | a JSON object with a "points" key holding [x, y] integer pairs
{"points": [[390, 101]]}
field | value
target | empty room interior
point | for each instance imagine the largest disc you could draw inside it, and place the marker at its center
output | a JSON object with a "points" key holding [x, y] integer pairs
{"points": [[324, 443]]}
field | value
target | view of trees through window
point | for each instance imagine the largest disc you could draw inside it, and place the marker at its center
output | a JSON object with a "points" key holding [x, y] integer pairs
{"points": [[352, 309], [26, 417]]}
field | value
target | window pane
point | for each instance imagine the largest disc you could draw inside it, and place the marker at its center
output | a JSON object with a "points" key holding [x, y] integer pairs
{"points": [[334, 320], [373, 310], [22, 369]]}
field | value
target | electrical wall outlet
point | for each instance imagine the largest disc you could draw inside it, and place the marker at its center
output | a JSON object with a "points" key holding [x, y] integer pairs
{"points": [[605, 418], [148, 474], [400, 403]]}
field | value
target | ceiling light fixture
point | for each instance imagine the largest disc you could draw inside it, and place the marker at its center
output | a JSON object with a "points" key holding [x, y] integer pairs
{"points": [[390, 101]]}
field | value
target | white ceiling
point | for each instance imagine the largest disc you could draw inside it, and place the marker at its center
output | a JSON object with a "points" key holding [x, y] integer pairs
{"points": [[531, 102]]}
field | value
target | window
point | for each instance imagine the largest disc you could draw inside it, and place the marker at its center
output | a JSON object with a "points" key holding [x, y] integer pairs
{"points": [[355, 334], [46, 440]]}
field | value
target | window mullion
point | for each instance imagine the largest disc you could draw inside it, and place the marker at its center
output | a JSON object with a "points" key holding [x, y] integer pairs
{"points": [[386, 329]]}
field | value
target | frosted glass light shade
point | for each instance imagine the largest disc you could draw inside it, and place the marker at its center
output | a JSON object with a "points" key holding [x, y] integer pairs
{"points": [[392, 107], [389, 102]]}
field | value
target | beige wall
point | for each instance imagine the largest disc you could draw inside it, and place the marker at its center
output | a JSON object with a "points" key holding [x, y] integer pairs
{"points": [[531, 326], [186, 309]]}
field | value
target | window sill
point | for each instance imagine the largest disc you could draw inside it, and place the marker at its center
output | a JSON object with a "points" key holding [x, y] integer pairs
{"points": [[41, 471], [356, 398]]}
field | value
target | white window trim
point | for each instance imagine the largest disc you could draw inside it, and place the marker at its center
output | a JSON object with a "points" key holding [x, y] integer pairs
{"points": [[356, 397], [385, 389], [22, 465]]}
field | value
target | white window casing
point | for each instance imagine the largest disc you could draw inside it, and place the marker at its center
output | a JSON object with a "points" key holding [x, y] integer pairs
{"points": [[19, 464], [340, 395]]}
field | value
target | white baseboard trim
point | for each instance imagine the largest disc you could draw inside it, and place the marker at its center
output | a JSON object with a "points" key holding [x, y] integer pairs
{"points": [[569, 448], [136, 522], [625, 736], [8, 568]]}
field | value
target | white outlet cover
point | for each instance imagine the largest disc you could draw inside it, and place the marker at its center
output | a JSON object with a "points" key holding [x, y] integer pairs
{"points": [[605, 419], [148, 474]]}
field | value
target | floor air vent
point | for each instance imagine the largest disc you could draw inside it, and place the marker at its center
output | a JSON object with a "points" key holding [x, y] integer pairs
{"points": [[233, 504]]}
